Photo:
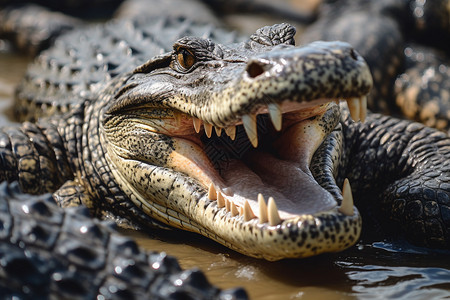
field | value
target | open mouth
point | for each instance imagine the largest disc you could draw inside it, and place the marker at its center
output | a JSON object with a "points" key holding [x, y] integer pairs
{"points": [[259, 167], [220, 141]]}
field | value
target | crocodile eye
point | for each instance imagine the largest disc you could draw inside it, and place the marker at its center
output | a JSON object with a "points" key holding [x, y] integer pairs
{"points": [[185, 58]]}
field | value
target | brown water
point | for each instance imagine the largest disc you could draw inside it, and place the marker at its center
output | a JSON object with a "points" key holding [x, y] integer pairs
{"points": [[375, 270]]}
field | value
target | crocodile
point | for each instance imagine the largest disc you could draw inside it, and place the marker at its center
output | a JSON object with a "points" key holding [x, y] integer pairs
{"points": [[69, 255], [130, 148], [91, 154], [33, 27]]}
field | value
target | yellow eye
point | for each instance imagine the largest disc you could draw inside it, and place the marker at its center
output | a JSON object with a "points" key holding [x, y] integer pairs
{"points": [[185, 58]]}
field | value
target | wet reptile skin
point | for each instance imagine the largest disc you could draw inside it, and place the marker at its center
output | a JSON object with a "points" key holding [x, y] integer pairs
{"points": [[82, 59]]}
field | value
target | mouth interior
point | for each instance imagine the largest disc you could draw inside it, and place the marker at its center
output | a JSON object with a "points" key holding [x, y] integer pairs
{"points": [[278, 167]]}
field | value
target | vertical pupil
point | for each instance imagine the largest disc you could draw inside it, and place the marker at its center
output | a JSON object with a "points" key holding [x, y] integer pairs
{"points": [[185, 58]]}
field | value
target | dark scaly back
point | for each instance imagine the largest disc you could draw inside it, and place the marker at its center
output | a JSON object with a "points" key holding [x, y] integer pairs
{"points": [[399, 172], [69, 255], [32, 28], [379, 31], [81, 61]]}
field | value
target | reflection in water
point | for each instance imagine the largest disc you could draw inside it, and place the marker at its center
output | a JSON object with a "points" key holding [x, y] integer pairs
{"points": [[400, 282], [382, 272], [374, 271]]}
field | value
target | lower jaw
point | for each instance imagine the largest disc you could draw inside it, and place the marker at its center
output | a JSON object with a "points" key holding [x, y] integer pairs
{"points": [[299, 237]]}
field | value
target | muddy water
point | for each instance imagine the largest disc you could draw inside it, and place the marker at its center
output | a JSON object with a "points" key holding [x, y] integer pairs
{"points": [[370, 270]]}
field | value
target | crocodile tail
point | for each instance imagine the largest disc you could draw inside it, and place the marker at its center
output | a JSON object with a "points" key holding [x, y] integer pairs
{"points": [[400, 171], [420, 201], [33, 155]]}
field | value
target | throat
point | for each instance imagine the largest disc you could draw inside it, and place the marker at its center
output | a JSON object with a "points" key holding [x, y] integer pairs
{"points": [[239, 176], [278, 168]]}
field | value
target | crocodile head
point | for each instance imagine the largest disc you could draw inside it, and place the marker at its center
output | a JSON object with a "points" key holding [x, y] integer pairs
{"points": [[248, 183]]}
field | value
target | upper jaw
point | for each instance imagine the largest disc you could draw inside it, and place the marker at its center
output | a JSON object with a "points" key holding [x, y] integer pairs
{"points": [[357, 107], [295, 88], [271, 81]]}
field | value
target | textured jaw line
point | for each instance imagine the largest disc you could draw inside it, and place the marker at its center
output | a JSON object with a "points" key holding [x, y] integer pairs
{"points": [[187, 207], [266, 231], [187, 192]]}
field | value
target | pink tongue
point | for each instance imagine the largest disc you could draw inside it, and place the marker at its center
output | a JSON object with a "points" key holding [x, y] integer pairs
{"points": [[286, 178], [295, 191]]}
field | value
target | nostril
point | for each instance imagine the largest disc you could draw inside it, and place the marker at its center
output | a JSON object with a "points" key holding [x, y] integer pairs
{"points": [[353, 54], [254, 69]]}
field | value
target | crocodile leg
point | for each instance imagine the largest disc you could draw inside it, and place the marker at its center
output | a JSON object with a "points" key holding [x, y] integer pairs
{"points": [[407, 166], [34, 156], [70, 194]]}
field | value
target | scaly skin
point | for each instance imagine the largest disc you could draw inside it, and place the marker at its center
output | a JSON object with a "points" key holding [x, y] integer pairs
{"points": [[69, 71], [410, 162], [69, 255], [385, 43], [144, 143]]}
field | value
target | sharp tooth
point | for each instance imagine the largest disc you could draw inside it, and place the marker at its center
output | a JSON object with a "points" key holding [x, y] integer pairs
{"points": [[274, 217], [354, 107], [262, 209], [234, 210], [197, 124], [231, 132], [218, 130], [208, 129], [220, 200], [248, 212], [227, 204], [249, 122], [347, 202], [363, 110], [212, 194], [275, 115]]}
